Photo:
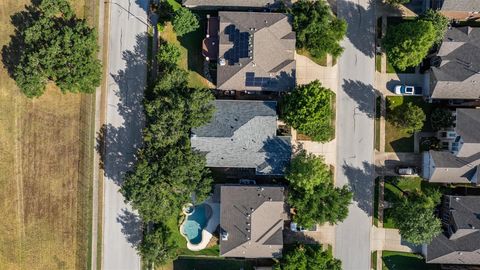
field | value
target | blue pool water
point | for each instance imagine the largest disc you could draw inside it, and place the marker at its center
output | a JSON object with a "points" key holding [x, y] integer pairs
{"points": [[193, 226]]}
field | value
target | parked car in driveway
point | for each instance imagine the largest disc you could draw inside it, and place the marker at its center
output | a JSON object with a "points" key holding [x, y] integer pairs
{"points": [[408, 90], [406, 170]]}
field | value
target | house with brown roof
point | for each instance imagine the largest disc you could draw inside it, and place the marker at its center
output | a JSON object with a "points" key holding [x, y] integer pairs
{"points": [[458, 9], [255, 51], [252, 221]]}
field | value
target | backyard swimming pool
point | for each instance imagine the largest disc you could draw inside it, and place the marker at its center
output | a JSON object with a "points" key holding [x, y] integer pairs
{"points": [[195, 223]]}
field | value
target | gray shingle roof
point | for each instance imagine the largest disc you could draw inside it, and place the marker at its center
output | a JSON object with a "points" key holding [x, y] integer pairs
{"points": [[242, 134], [459, 5], [258, 49], [468, 125], [253, 218], [457, 74], [464, 212]]}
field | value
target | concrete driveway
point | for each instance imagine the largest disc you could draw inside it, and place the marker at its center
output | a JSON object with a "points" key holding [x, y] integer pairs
{"points": [[385, 163], [308, 71], [385, 82], [126, 80]]}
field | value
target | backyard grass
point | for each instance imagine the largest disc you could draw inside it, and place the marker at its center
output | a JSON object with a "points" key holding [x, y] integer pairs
{"points": [[397, 139], [405, 261], [191, 52], [45, 163]]}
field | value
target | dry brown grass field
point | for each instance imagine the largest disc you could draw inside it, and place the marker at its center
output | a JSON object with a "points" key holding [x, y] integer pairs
{"points": [[45, 169]]}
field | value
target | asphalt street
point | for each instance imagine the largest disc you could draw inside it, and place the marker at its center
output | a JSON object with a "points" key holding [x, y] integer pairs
{"points": [[355, 132], [126, 77]]}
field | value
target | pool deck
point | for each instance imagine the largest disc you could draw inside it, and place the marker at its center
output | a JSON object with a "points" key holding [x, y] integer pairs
{"points": [[208, 231]]}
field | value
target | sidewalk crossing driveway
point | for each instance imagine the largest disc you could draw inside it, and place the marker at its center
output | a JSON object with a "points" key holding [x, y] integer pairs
{"points": [[308, 71]]}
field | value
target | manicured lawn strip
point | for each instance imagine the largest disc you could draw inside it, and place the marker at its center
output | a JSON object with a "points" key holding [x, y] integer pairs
{"points": [[378, 115], [405, 261], [378, 62], [396, 139], [374, 260], [375, 201], [199, 263], [191, 52]]}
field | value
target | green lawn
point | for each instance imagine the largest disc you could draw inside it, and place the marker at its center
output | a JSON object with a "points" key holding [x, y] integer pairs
{"points": [[198, 263], [393, 260], [191, 52], [396, 139], [374, 260], [378, 62], [378, 115], [174, 4], [319, 61], [375, 201]]}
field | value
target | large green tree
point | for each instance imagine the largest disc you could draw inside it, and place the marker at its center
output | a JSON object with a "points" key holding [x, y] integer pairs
{"points": [[409, 42], [415, 219], [308, 257], [184, 21], [397, 2], [157, 246], [441, 118], [439, 21], [309, 109], [318, 30], [306, 171], [409, 117], [57, 47], [312, 194]]}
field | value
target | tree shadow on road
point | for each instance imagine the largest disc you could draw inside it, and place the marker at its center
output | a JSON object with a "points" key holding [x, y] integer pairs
{"points": [[361, 25], [360, 180], [364, 95], [119, 140], [131, 227]]}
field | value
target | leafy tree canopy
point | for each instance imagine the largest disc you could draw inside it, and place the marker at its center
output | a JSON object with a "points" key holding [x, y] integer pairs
{"points": [[157, 246], [317, 29], [312, 193], [307, 171], [415, 219], [168, 56], [309, 110], [53, 45], [440, 23], [409, 117], [184, 21], [409, 42], [441, 118], [308, 257]]}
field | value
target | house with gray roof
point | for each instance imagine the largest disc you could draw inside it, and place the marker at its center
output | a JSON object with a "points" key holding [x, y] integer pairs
{"points": [[460, 241], [243, 134], [251, 221], [255, 51], [233, 4], [460, 163], [457, 9], [455, 72]]}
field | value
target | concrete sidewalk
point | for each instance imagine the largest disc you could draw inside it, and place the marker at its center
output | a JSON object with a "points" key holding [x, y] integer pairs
{"points": [[308, 71]]}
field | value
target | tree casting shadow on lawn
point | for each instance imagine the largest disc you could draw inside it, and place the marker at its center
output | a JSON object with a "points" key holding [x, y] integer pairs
{"points": [[117, 145]]}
